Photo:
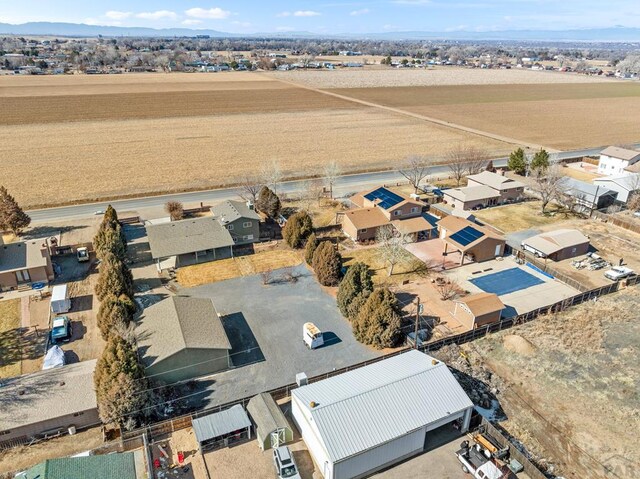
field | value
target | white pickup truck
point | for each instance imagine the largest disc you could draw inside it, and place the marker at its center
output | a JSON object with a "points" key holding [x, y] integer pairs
{"points": [[475, 462], [618, 272]]}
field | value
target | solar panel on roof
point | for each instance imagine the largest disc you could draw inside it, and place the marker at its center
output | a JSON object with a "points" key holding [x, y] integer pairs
{"points": [[466, 235], [387, 198]]}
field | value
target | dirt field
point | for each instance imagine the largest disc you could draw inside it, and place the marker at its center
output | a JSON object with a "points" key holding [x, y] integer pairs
{"points": [[560, 116], [519, 216], [392, 77], [410, 268], [567, 384]]}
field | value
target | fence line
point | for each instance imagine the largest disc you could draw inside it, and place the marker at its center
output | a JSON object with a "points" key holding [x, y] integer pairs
{"points": [[617, 221]]}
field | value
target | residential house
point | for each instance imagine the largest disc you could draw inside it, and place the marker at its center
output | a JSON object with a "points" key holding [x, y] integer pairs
{"points": [[614, 160], [625, 185], [588, 197], [126, 465], [23, 263], [478, 243], [381, 207], [184, 242], [440, 210], [48, 402], [484, 189], [370, 418], [478, 310], [240, 219], [557, 245], [181, 338]]}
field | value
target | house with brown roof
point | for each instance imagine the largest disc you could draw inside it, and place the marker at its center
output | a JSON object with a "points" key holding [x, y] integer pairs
{"points": [[381, 207], [181, 338], [614, 160], [484, 189], [23, 263], [478, 310], [472, 241], [557, 245]]}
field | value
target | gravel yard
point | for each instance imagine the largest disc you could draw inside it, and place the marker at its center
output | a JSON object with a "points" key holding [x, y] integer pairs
{"points": [[365, 78]]}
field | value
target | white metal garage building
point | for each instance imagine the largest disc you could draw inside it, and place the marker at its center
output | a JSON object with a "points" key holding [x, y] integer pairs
{"points": [[364, 420]]}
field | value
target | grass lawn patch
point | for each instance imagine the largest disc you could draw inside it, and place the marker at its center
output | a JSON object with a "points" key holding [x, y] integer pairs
{"points": [[249, 265], [409, 269], [10, 359], [520, 216], [580, 175]]}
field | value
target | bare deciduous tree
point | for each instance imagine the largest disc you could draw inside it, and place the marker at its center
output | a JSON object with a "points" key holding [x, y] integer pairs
{"points": [[477, 160], [391, 247], [312, 191], [267, 276], [250, 186], [331, 173], [549, 185], [447, 289], [457, 162], [415, 169], [175, 210], [272, 174]]}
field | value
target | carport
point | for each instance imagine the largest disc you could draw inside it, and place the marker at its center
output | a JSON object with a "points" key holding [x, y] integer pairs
{"points": [[272, 427], [222, 429]]}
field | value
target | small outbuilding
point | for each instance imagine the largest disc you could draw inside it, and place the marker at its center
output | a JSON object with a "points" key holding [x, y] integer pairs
{"points": [[272, 427], [557, 245], [222, 429], [365, 420], [478, 310]]}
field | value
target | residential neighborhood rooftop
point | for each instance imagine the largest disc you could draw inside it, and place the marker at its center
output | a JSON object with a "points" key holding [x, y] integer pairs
{"points": [[482, 303], [472, 193], [367, 218], [22, 255], [48, 394], [621, 153], [463, 232], [178, 323], [351, 410], [230, 211], [495, 180], [187, 236], [549, 243], [104, 466]]}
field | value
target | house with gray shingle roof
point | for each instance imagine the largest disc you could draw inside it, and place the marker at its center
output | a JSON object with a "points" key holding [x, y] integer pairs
{"points": [[184, 242], [240, 219], [181, 338]]}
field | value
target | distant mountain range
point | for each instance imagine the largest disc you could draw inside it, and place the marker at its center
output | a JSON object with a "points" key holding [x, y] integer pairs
{"points": [[613, 34]]}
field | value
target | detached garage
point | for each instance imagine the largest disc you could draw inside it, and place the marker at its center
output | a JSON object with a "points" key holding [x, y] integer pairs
{"points": [[359, 422]]}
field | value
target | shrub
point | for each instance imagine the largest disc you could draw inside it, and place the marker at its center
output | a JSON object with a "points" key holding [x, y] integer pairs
{"points": [[298, 228], [378, 322], [356, 281], [268, 202], [175, 210], [310, 248], [327, 264]]}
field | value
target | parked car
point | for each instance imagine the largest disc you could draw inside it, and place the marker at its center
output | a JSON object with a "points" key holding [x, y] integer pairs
{"points": [[83, 254], [618, 272], [61, 330], [286, 467]]}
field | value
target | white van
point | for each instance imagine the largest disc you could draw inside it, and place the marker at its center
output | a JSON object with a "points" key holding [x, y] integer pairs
{"points": [[312, 336]]}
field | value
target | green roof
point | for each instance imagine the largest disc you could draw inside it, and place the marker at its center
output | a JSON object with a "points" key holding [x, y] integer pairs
{"points": [[109, 466]]}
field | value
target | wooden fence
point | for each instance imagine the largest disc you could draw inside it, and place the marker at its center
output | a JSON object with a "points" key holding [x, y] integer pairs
{"points": [[627, 224]]}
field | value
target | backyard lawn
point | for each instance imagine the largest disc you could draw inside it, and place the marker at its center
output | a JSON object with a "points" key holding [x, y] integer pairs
{"points": [[248, 265], [519, 216], [10, 338], [408, 269]]}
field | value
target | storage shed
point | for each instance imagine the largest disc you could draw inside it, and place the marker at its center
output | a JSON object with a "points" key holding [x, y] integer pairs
{"points": [[222, 429], [272, 427], [359, 422]]}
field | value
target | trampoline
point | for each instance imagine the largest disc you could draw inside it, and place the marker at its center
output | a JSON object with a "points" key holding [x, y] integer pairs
{"points": [[507, 281]]}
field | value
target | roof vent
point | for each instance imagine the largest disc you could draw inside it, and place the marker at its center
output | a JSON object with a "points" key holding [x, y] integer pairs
{"points": [[21, 392], [61, 383], [312, 404], [434, 361]]}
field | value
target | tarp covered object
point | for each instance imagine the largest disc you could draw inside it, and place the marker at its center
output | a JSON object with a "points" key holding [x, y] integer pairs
{"points": [[54, 358]]}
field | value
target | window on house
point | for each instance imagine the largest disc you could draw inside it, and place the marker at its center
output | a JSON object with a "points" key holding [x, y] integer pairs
{"points": [[230, 227], [247, 237], [397, 212], [76, 414], [247, 224], [414, 209], [2, 433], [363, 231]]}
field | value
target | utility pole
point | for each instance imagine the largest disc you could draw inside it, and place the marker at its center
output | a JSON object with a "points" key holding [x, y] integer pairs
{"points": [[415, 337]]}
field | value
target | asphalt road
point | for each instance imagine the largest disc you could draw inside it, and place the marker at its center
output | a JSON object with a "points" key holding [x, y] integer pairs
{"points": [[344, 185]]}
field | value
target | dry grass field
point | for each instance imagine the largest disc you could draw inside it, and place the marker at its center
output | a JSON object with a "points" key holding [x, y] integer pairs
{"points": [[10, 359], [114, 144], [519, 216], [562, 116]]}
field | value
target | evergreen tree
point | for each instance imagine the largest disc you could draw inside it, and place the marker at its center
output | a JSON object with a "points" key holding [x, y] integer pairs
{"points": [[298, 228], [540, 161], [12, 217], [108, 240], [378, 322], [268, 202], [356, 281], [517, 162], [310, 248], [120, 383], [327, 264], [115, 314], [114, 278]]}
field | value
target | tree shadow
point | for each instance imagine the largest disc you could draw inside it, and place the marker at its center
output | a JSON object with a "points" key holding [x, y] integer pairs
{"points": [[20, 344], [43, 231]]}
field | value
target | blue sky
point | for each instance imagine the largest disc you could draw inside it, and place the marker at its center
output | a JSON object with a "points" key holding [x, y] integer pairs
{"points": [[331, 16]]}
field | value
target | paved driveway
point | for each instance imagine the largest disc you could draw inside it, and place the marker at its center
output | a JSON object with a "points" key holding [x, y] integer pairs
{"points": [[264, 325]]}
